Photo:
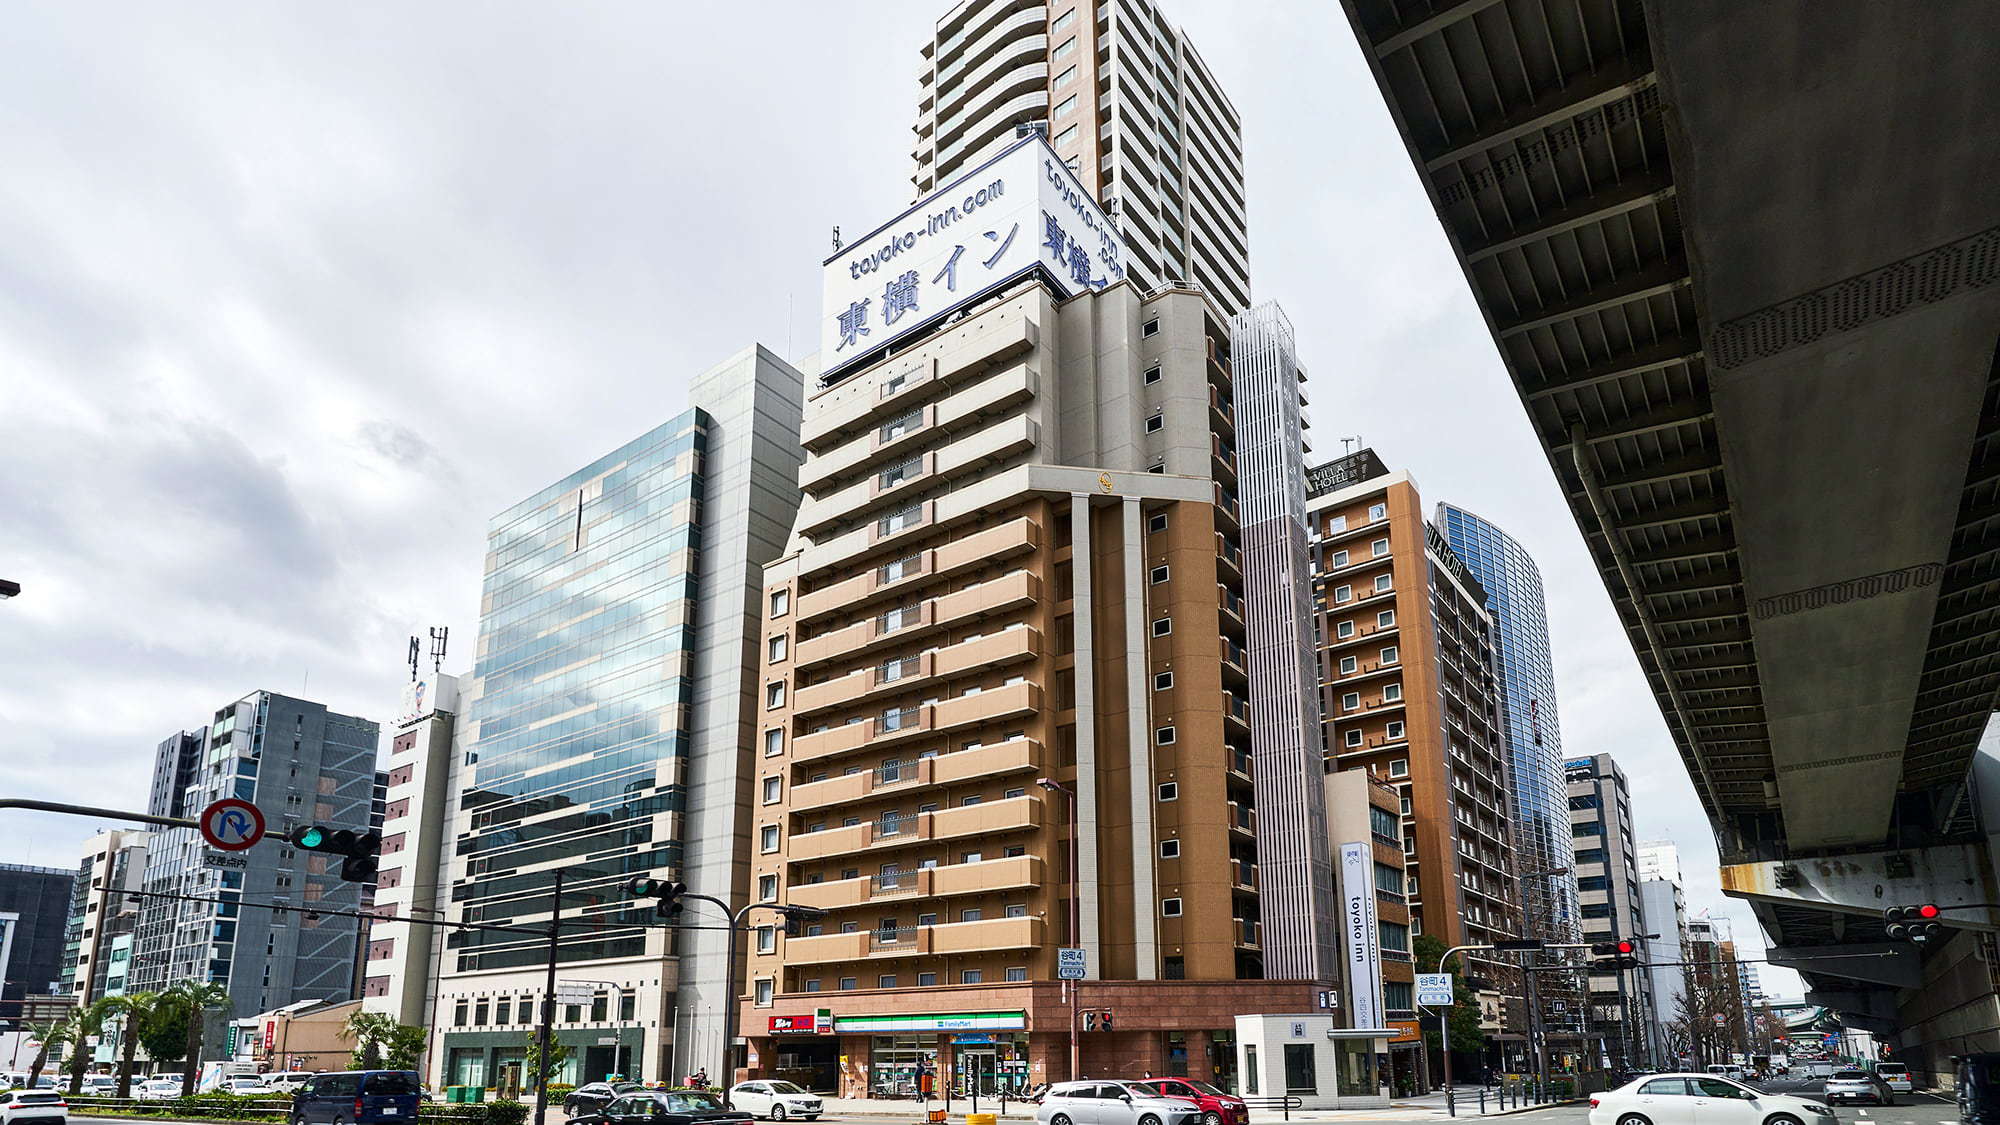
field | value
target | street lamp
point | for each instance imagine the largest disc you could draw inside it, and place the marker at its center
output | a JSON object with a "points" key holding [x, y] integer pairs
{"points": [[1070, 988]]}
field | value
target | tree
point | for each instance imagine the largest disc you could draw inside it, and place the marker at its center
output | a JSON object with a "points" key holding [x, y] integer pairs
{"points": [[163, 1033], [48, 1034], [368, 1030], [134, 1009], [84, 1021], [1467, 1034], [404, 1048], [531, 1066], [197, 998]]}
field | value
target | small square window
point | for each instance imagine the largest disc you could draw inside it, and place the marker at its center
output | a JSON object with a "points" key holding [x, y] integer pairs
{"points": [[1015, 910], [848, 984], [1336, 524], [1152, 374], [1156, 523], [971, 914], [1385, 619], [1017, 973], [1382, 583], [1170, 907], [1348, 665], [767, 838], [1162, 626], [1157, 575], [1400, 767], [781, 602], [1378, 511], [970, 976], [767, 939], [1390, 654], [1339, 559], [1170, 849], [1378, 548], [774, 694], [1152, 328], [1395, 730], [926, 980], [812, 985], [774, 788], [1155, 423], [1163, 736], [1343, 630], [1392, 693], [1170, 791], [767, 888], [1354, 738], [1350, 701], [774, 742], [887, 980], [764, 992], [1163, 681], [775, 648], [1343, 593]]}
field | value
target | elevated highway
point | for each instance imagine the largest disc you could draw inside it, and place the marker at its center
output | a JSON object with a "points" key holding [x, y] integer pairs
{"points": [[1742, 262]]}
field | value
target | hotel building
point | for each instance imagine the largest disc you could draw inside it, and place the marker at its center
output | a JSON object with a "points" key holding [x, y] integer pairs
{"points": [[1125, 100], [1406, 659]]}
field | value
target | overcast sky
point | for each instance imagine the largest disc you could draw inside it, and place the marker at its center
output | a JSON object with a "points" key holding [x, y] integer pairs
{"points": [[294, 297]]}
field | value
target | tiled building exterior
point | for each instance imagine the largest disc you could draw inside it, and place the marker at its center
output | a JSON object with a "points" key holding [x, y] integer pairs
{"points": [[114, 861]]}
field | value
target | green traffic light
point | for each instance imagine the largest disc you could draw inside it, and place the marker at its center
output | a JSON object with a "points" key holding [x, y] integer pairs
{"points": [[312, 837]]}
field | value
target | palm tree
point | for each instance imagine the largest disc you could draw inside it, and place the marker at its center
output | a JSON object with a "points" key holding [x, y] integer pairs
{"points": [[369, 1030], [201, 997], [83, 1021], [53, 1033], [135, 1008]]}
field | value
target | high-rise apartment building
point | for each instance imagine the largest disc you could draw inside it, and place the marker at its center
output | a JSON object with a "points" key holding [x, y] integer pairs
{"points": [[34, 910], [1004, 693], [1660, 859], [1407, 692], [300, 764], [1665, 909], [1607, 875], [606, 734], [100, 912], [1526, 669], [1125, 100]]}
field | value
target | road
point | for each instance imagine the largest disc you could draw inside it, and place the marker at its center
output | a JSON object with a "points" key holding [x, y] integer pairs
{"points": [[1910, 1109]]}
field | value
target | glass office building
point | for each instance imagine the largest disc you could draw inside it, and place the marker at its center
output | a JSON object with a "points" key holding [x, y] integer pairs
{"points": [[1534, 736]]}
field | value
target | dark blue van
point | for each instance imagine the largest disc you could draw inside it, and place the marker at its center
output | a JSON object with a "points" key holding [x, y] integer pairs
{"points": [[358, 1097]]}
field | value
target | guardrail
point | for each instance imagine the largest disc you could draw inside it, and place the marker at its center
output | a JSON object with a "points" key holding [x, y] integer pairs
{"points": [[226, 1107], [1286, 1104]]}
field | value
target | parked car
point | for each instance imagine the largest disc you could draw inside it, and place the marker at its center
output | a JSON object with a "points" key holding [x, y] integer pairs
{"points": [[39, 1106], [157, 1089], [1700, 1099], [662, 1107], [1896, 1076], [1218, 1107], [593, 1096], [358, 1097], [99, 1085], [776, 1099], [246, 1086], [1852, 1085], [287, 1081], [1112, 1103]]}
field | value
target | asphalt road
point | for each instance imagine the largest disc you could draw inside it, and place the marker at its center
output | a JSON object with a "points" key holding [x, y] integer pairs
{"points": [[1910, 1109]]}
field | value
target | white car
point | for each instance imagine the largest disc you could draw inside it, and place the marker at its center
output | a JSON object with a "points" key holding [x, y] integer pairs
{"points": [[1115, 1103], [40, 1106], [776, 1099], [246, 1087], [103, 1085], [287, 1081], [1896, 1075], [157, 1089], [1689, 1098]]}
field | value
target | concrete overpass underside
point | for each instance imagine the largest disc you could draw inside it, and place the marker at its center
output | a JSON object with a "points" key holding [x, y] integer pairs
{"points": [[1742, 262]]}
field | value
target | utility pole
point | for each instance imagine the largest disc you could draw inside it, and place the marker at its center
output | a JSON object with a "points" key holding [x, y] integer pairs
{"points": [[546, 1031]]}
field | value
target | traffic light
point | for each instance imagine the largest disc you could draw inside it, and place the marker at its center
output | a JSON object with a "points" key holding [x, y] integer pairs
{"points": [[669, 894], [796, 918], [361, 852], [1615, 955], [1913, 923]]}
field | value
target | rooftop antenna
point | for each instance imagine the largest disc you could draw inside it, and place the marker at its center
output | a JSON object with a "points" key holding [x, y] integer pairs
{"points": [[836, 240], [416, 651], [440, 636], [1350, 444]]}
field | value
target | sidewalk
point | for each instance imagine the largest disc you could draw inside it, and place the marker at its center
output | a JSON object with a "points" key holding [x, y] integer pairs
{"points": [[905, 1107]]}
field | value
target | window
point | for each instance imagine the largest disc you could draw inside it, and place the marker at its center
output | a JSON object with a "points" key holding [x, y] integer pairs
{"points": [[1343, 594], [1337, 523], [767, 888], [1170, 907], [775, 648], [1156, 523], [1152, 374], [1665, 1088], [1390, 655], [1343, 630], [1162, 626], [763, 992], [1156, 421], [1593, 883], [1017, 973], [908, 516], [1350, 701], [971, 914], [1151, 328], [1064, 79], [1388, 878], [1349, 665], [1385, 619], [1378, 548], [781, 602], [926, 980], [1157, 575], [1394, 730], [774, 694], [848, 984], [767, 939], [1162, 681], [1378, 511], [812, 985], [970, 976], [773, 789], [1250, 1068], [1382, 583], [1399, 768], [1354, 737], [1395, 936], [1170, 849], [1069, 134], [1392, 693], [1067, 107], [767, 838], [1399, 995], [774, 742], [901, 424], [1340, 558], [1064, 51], [1062, 22], [1015, 910], [1163, 736], [1170, 791]]}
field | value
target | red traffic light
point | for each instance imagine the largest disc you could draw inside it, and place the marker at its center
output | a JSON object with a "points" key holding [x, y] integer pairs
{"points": [[1928, 910], [1627, 947]]}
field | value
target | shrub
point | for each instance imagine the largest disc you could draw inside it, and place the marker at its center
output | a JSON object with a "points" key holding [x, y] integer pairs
{"points": [[560, 1089], [506, 1113]]}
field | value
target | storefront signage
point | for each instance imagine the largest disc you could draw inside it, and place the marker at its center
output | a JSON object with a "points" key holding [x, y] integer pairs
{"points": [[1363, 937], [1407, 1031], [793, 1025], [969, 1021], [823, 1021]]}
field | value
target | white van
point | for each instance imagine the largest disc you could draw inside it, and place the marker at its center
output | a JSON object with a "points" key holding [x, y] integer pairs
{"points": [[1896, 1074], [1727, 1070], [287, 1081]]}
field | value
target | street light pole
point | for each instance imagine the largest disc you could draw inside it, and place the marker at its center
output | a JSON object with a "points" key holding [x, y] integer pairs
{"points": [[1070, 987]]}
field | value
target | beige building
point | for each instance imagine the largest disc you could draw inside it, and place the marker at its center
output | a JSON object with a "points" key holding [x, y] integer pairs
{"points": [[1126, 101], [1015, 577], [114, 861]]}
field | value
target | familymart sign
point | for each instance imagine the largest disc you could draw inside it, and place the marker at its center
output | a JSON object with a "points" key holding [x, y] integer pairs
{"points": [[967, 1021]]}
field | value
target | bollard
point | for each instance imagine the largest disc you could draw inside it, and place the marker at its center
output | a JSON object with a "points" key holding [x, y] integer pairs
{"points": [[1482, 1101]]}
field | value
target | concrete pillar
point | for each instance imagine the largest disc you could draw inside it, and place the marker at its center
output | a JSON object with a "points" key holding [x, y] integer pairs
{"points": [[1086, 729], [1139, 736]]}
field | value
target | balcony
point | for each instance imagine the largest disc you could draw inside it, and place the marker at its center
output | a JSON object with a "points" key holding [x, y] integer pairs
{"points": [[922, 883], [999, 595], [1236, 711], [1243, 875], [1239, 765], [909, 722], [1242, 820], [896, 435], [1015, 755], [998, 650], [985, 935], [993, 544], [887, 832], [822, 517], [1249, 935]]}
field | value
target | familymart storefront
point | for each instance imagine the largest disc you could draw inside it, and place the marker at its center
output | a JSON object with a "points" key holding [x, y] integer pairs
{"points": [[898, 1056]]}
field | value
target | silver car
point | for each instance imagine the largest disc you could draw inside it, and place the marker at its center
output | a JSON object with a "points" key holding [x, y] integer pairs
{"points": [[1858, 1086], [1103, 1102]]}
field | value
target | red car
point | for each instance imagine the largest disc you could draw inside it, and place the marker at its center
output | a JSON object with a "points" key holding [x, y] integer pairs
{"points": [[1217, 1108]]}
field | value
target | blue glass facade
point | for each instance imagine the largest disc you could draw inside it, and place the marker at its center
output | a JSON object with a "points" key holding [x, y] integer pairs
{"points": [[1534, 736], [579, 734]]}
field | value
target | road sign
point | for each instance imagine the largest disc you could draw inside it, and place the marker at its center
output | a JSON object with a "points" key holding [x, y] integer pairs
{"points": [[1518, 943], [1070, 965], [575, 991], [1720, 1019], [1434, 990], [231, 825]]}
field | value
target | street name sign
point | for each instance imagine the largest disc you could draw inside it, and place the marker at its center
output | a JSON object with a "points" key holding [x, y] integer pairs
{"points": [[1071, 965], [1434, 990]]}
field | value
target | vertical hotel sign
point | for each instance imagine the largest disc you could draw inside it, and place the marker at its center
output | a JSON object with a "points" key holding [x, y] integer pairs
{"points": [[1020, 211], [1362, 935]]}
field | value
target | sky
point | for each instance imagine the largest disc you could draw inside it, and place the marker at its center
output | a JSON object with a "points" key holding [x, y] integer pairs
{"points": [[294, 297]]}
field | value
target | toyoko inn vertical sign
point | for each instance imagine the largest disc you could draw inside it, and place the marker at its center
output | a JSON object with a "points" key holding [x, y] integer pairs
{"points": [[998, 222], [1361, 935]]}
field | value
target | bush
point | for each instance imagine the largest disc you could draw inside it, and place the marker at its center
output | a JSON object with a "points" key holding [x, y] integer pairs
{"points": [[506, 1113], [560, 1089]]}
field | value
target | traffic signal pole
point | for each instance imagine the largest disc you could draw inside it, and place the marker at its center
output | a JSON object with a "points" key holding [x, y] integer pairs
{"points": [[546, 1032]]}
